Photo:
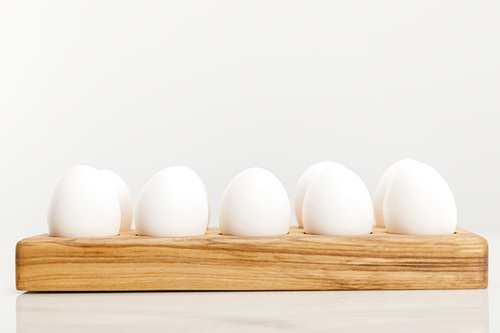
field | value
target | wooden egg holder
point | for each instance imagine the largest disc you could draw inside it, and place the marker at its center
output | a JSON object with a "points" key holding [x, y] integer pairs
{"points": [[295, 261]]}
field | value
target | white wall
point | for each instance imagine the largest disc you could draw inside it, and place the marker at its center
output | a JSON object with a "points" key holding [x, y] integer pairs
{"points": [[136, 86]]}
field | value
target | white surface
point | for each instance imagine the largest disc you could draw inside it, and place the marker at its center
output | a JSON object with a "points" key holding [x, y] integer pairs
{"points": [[391, 311], [221, 86]]}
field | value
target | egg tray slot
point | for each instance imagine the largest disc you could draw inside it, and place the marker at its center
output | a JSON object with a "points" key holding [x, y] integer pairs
{"points": [[296, 261]]}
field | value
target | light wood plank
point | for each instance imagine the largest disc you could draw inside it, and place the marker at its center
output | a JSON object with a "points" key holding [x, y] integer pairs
{"points": [[295, 261]]}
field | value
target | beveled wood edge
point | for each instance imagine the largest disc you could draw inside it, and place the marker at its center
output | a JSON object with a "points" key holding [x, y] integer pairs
{"points": [[215, 232]]}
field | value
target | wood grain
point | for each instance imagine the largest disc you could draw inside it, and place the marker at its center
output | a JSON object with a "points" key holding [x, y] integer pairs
{"points": [[295, 261]]}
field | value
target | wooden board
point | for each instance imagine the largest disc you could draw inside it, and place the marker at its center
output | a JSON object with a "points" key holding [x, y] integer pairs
{"points": [[295, 261]]}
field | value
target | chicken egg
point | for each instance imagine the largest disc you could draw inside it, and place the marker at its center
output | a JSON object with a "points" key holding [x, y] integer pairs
{"points": [[419, 201], [124, 198], [337, 203], [378, 200], [173, 202], [254, 203], [304, 181], [83, 204]]}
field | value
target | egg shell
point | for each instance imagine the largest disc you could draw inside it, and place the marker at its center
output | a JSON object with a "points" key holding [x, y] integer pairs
{"points": [[255, 203], [419, 201], [83, 204], [378, 200], [337, 203], [304, 181], [173, 203], [124, 198]]}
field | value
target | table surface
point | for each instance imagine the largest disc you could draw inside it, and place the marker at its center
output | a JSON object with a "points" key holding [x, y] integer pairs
{"points": [[346, 311]]}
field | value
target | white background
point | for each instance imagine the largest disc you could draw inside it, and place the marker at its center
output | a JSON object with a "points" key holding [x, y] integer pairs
{"points": [[220, 86]]}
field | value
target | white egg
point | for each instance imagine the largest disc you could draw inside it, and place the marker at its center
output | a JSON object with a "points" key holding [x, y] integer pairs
{"points": [[255, 203], [418, 201], [124, 198], [173, 203], [83, 204], [378, 200], [337, 203], [304, 181]]}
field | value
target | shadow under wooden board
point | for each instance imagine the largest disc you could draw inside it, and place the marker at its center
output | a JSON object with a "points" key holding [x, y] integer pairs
{"points": [[296, 261]]}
